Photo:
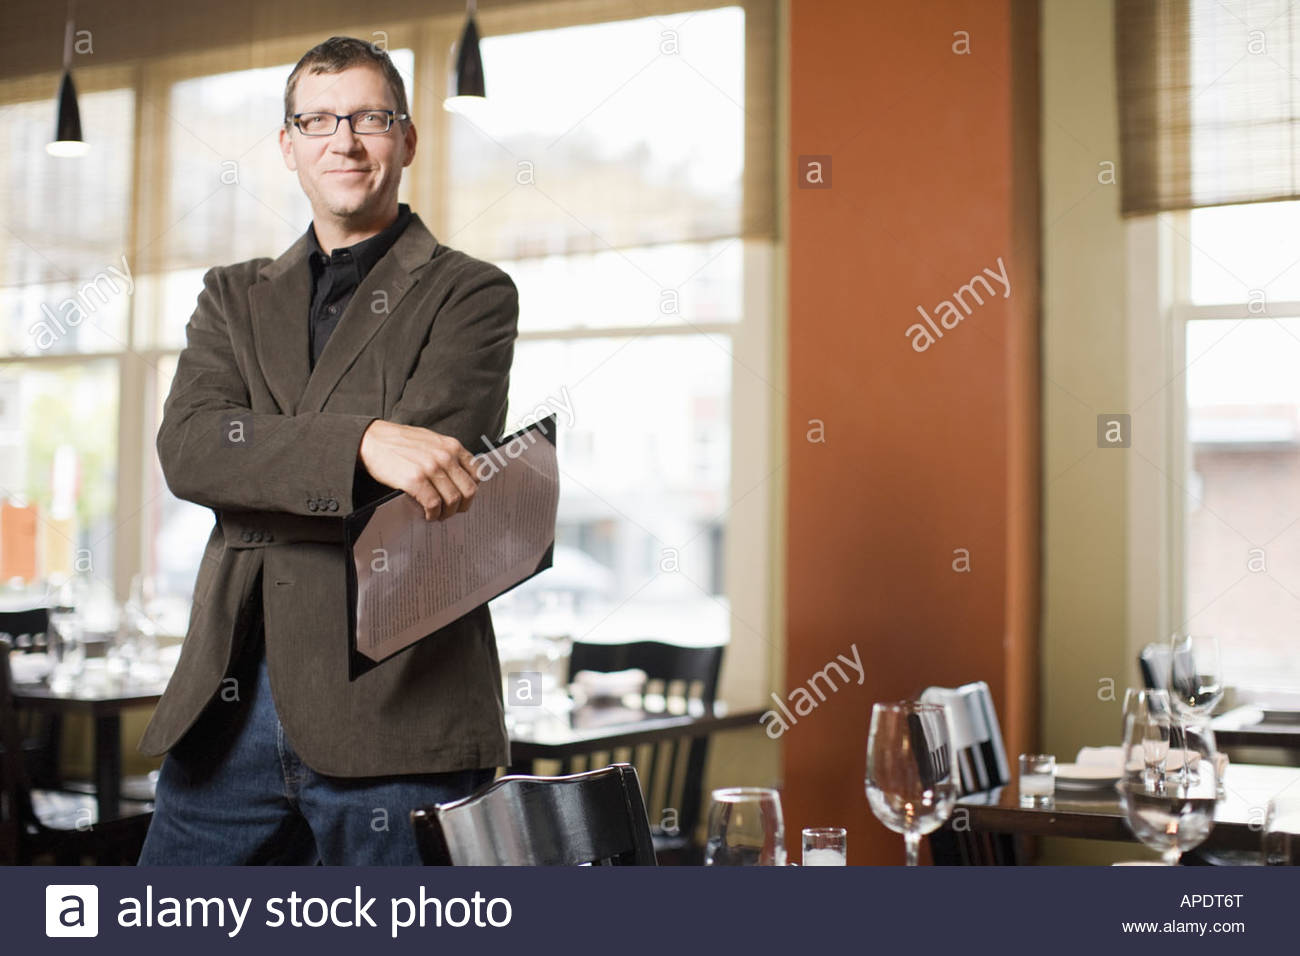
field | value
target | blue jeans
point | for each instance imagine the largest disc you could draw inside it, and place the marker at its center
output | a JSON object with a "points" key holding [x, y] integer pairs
{"points": [[234, 792]]}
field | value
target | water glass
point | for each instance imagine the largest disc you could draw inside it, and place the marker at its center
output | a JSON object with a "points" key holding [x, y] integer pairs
{"points": [[825, 846], [1037, 780], [1148, 732], [746, 828]]}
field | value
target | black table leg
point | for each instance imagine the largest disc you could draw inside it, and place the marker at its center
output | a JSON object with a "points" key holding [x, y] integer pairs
{"points": [[108, 765]]}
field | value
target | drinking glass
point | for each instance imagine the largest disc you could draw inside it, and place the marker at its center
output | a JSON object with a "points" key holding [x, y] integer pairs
{"points": [[825, 846], [1037, 781], [1195, 683], [1282, 831], [1148, 729], [1169, 806], [745, 828], [909, 782], [67, 643], [1195, 674], [1143, 700]]}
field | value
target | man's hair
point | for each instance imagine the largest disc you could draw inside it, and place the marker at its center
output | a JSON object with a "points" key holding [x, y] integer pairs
{"points": [[341, 53]]}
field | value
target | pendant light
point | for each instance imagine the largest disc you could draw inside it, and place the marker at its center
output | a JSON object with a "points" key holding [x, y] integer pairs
{"points": [[470, 91], [67, 131]]}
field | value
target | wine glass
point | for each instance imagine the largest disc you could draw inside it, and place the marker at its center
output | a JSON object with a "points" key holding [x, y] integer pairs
{"points": [[746, 828], [1195, 674], [1168, 808], [1195, 681], [1147, 731], [909, 770]]}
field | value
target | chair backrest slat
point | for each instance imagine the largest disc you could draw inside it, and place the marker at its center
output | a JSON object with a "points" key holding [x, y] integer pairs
{"points": [[595, 818]]}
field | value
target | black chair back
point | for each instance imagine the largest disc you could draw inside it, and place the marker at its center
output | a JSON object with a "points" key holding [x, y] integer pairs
{"points": [[672, 770], [26, 630], [595, 818], [688, 672], [979, 765], [1155, 662]]}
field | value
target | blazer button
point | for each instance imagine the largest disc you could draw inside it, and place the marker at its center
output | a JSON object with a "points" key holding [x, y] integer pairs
{"points": [[313, 504], [257, 536], [334, 505], [269, 537], [247, 536]]}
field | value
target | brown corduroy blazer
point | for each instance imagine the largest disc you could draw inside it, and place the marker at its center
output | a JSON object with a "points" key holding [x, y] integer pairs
{"points": [[271, 446]]}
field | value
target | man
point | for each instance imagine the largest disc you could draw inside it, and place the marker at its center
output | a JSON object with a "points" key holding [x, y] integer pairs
{"points": [[366, 357]]}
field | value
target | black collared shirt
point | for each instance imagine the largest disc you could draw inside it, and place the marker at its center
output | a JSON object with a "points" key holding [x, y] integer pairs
{"points": [[335, 277]]}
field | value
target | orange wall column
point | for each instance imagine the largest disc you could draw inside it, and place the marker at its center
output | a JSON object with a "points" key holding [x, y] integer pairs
{"points": [[913, 505]]}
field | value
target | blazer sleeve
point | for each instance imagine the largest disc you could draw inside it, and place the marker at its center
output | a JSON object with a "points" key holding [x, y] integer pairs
{"points": [[215, 451], [461, 379]]}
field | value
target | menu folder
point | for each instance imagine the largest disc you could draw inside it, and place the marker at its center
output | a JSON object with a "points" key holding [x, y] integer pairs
{"points": [[408, 578]]}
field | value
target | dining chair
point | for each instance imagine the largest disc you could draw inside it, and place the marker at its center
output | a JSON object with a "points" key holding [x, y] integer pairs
{"points": [[673, 770], [29, 631], [1155, 662], [979, 761], [36, 824], [595, 818]]}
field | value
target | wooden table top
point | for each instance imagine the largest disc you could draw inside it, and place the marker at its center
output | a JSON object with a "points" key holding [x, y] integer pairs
{"points": [[1097, 815]]}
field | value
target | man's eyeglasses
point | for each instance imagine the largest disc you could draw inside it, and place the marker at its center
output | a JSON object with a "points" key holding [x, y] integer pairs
{"points": [[363, 123]]}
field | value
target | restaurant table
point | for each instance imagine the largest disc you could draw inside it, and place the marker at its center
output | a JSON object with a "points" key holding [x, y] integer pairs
{"points": [[1254, 726], [1097, 815], [535, 734], [540, 734], [104, 701]]}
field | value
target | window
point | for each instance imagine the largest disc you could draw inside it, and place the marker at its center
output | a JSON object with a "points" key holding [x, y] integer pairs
{"points": [[616, 208], [65, 286], [1241, 331]]}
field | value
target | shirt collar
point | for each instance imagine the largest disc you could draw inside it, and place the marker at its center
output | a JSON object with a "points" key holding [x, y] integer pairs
{"points": [[366, 253]]}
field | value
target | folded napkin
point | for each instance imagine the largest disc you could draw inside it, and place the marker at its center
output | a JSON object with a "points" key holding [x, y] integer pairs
{"points": [[1111, 758]]}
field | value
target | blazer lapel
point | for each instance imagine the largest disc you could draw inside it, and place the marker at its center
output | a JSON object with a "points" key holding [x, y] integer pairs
{"points": [[378, 297], [279, 309], [280, 306]]}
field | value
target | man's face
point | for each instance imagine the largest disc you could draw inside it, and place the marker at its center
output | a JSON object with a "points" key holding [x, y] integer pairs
{"points": [[351, 179]]}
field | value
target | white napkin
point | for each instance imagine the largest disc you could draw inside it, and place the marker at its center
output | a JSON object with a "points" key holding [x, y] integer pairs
{"points": [[1111, 758]]}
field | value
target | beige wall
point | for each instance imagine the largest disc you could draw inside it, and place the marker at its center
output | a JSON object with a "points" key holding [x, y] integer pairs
{"points": [[1085, 644]]}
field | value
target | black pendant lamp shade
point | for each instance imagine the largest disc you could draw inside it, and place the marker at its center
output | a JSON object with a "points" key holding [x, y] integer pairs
{"points": [[67, 132], [470, 88], [67, 127]]}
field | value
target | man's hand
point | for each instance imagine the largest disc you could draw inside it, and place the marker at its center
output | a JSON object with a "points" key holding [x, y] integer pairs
{"points": [[435, 470]]}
